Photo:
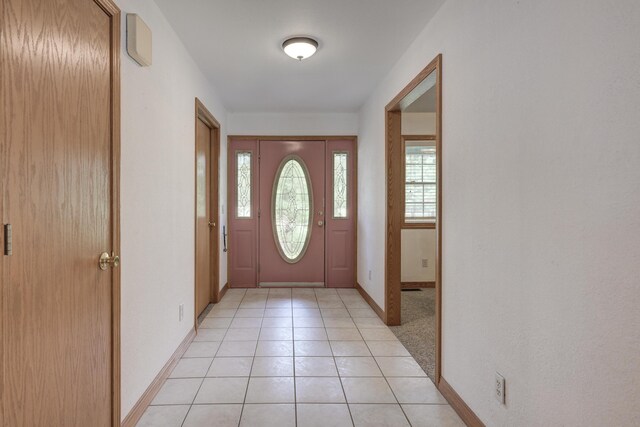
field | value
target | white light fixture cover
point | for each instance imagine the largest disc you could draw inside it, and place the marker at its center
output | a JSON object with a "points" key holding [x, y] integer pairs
{"points": [[300, 47]]}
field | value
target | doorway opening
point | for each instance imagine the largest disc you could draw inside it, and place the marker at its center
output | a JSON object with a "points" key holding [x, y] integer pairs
{"points": [[292, 211], [207, 155], [413, 257]]}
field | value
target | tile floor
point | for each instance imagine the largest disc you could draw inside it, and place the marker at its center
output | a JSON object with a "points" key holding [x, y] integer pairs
{"points": [[297, 357]]}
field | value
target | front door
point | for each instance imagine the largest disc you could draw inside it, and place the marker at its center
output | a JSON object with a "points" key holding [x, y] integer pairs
{"points": [[59, 195], [291, 213]]}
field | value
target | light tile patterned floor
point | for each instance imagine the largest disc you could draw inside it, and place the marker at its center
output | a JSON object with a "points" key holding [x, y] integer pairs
{"points": [[297, 357]]}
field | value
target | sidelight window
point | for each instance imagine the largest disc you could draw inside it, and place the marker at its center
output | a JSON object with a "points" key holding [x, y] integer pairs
{"points": [[243, 183], [340, 185]]}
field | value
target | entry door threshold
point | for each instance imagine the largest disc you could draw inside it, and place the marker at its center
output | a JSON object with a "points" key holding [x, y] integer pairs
{"points": [[291, 284]]}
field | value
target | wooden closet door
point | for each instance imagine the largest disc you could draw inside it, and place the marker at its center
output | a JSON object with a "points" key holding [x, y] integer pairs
{"points": [[56, 107]]}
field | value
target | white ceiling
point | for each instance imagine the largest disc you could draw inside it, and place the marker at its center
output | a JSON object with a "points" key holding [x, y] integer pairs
{"points": [[237, 43]]}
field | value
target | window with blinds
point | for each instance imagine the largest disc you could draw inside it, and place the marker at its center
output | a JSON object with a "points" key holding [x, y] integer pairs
{"points": [[420, 182]]}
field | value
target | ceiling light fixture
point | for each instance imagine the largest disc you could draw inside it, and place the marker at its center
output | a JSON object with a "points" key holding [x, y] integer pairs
{"points": [[300, 47]]}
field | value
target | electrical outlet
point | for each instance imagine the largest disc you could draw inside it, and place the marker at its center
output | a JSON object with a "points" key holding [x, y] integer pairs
{"points": [[425, 263], [369, 274], [499, 388], [181, 312]]}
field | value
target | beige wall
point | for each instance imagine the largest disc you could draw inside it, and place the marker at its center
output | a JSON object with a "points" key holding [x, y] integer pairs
{"points": [[270, 123], [418, 123], [157, 199], [418, 244], [541, 208]]}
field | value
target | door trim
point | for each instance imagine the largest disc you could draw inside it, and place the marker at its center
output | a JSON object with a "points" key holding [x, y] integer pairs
{"points": [[112, 10], [291, 285], [395, 208], [203, 114], [292, 137]]}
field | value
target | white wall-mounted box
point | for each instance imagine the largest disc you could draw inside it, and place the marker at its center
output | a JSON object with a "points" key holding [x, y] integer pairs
{"points": [[139, 44]]}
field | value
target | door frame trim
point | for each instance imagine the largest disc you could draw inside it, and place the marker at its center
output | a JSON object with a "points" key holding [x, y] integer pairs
{"points": [[292, 137], [325, 138], [203, 114], [394, 210], [112, 10]]}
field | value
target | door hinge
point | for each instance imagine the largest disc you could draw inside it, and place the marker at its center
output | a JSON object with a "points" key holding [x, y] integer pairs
{"points": [[8, 240], [258, 213]]}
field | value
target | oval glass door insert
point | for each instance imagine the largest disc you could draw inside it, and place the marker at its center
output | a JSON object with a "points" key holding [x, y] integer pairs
{"points": [[291, 209]]}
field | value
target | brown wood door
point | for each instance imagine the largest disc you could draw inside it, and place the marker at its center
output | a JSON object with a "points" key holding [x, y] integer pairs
{"points": [[204, 221], [58, 100]]}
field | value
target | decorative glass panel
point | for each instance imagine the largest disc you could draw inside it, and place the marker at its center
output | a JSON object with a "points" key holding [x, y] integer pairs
{"points": [[340, 193], [243, 182], [420, 182], [292, 209]]}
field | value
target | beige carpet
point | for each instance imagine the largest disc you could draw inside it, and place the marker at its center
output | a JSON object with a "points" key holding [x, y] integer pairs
{"points": [[417, 332]]}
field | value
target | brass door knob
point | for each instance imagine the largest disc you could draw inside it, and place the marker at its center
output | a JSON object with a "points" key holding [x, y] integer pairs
{"points": [[106, 261], [212, 224], [320, 223]]}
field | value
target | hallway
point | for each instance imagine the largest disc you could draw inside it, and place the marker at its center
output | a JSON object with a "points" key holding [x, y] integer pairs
{"points": [[297, 357], [319, 213]]}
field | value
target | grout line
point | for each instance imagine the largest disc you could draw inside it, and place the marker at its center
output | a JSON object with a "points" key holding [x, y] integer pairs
{"points": [[293, 341], [383, 375], [205, 375], [341, 385], [246, 390], [295, 390], [392, 392], [339, 376]]}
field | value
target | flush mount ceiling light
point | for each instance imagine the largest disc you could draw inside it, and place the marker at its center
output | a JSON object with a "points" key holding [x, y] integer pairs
{"points": [[300, 47]]}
